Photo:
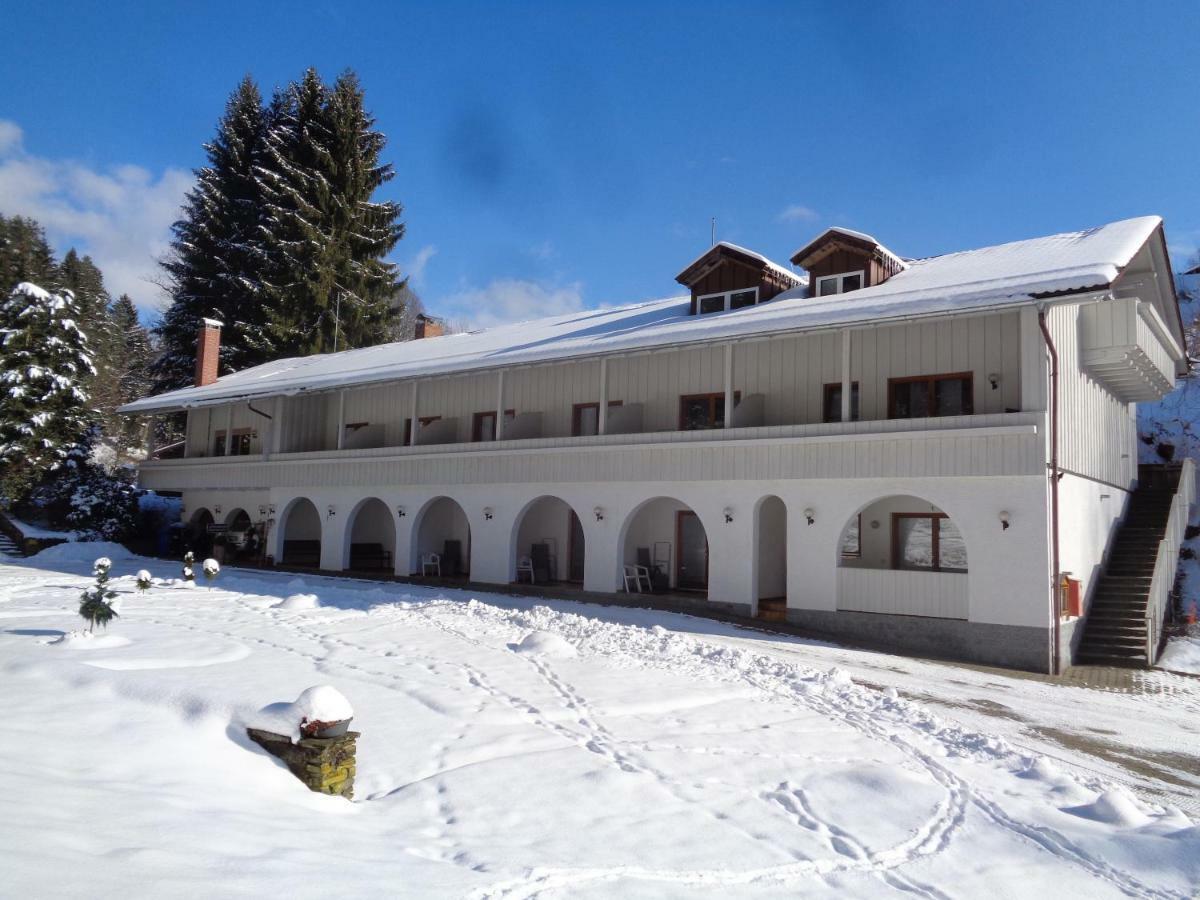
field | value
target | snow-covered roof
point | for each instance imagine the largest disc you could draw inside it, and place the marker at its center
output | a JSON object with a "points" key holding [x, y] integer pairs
{"points": [[793, 277], [991, 277], [213, 323], [856, 235]]}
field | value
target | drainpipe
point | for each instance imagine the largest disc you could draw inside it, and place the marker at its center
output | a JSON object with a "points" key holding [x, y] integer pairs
{"points": [[1055, 636]]}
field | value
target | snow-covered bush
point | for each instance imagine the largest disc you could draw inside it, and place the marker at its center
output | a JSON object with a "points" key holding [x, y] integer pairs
{"points": [[96, 603], [144, 581], [212, 569], [189, 560]]}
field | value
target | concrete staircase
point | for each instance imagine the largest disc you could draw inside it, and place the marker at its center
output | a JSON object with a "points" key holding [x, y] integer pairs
{"points": [[1116, 629]]}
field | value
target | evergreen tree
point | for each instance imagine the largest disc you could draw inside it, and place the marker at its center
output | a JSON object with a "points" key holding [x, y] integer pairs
{"points": [[83, 279], [216, 263], [24, 254], [44, 363], [325, 236], [134, 380]]}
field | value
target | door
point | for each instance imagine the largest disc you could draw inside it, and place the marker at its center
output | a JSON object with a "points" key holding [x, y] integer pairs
{"points": [[691, 572], [574, 549]]}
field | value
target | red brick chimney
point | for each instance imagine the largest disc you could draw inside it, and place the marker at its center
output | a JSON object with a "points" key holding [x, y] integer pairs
{"points": [[208, 350], [428, 326]]}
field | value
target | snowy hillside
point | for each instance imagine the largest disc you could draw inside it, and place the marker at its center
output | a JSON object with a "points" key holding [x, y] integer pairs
{"points": [[511, 749]]}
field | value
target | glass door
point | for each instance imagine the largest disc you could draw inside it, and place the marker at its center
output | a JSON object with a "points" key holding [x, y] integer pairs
{"points": [[692, 571]]}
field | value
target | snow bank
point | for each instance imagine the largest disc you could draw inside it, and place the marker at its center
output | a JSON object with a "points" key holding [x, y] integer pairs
{"points": [[298, 601], [84, 552], [545, 643], [322, 703], [1115, 807], [1183, 653], [87, 640]]}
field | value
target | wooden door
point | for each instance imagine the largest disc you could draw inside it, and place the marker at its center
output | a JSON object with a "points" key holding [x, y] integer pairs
{"points": [[691, 566]]}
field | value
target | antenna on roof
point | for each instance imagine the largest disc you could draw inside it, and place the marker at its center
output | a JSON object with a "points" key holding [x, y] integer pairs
{"points": [[714, 231]]}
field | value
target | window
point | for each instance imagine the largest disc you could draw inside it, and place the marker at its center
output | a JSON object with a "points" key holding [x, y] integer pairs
{"points": [[585, 418], [852, 539], [424, 420], [833, 402], [931, 395], [698, 412], [711, 303], [241, 443], [484, 426], [927, 541], [839, 284]]}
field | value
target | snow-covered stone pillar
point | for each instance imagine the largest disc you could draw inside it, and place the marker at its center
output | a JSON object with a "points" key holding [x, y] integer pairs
{"points": [[602, 412], [729, 402], [847, 384]]}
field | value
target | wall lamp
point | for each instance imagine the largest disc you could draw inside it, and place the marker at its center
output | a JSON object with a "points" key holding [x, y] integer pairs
{"points": [[262, 510], [271, 509], [332, 511], [728, 513], [487, 513], [994, 380], [400, 513], [810, 515], [599, 513], [217, 509], [1005, 519]]}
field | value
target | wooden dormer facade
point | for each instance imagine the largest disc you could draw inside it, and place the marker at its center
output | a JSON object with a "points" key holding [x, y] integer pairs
{"points": [[837, 256], [732, 277]]}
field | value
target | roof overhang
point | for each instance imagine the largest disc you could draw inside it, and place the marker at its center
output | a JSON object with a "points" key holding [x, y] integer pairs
{"points": [[717, 254]]}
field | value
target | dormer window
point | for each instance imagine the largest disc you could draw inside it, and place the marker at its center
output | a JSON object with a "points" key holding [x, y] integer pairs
{"points": [[839, 284], [711, 303]]}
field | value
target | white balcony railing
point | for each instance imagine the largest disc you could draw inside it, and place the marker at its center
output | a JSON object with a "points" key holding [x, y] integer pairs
{"points": [[1125, 345]]}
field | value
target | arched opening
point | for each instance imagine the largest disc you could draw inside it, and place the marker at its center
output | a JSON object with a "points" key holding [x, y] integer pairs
{"points": [[770, 559], [548, 543], [198, 535], [242, 540], [370, 538], [664, 541], [441, 545], [300, 535], [905, 556]]}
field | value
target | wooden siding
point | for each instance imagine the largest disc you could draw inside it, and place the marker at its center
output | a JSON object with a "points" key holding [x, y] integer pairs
{"points": [[1097, 431], [941, 595], [732, 275]]}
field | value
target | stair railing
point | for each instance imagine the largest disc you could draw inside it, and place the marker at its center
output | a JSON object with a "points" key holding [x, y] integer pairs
{"points": [[1167, 561]]}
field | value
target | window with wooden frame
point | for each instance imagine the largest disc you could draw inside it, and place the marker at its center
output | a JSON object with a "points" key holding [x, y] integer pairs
{"points": [[424, 420], [712, 303], [241, 442], [927, 541], [585, 418], [699, 412], [840, 283], [833, 402], [483, 427], [931, 395]]}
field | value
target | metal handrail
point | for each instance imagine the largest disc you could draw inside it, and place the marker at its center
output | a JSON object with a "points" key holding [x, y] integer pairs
{"points": [[1167, 560]]}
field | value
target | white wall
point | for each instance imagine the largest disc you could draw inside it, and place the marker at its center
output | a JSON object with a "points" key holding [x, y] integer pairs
{"points": [[1089, 513]]}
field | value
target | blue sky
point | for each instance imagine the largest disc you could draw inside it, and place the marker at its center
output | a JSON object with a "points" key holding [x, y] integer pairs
{"points": [[557, 156]]}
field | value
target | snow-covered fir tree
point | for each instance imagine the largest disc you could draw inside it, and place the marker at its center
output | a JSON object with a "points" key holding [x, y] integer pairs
{"points": [[136, 355], [44, 364], [82, 277], [216, 264], [25, 255]]}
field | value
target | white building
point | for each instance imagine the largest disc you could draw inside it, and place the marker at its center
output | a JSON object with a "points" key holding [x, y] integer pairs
{"points": [[868, 450]]}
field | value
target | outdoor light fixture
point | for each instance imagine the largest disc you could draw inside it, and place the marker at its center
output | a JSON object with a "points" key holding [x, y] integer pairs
{"points": [[811, 515], [262, 510], [599, 511], [217, 509], [994, 380], [487, 513], [728, 511], [332, 511], [271, 510], [400, 512], [1005, 519]]}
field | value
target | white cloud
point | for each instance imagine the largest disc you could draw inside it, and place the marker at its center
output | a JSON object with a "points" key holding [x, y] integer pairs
{"points": [[415, 271], [798, 213], [120, 217], [507, 300]]}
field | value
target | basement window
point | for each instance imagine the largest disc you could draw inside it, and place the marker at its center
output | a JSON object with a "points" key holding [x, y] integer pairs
{"points": [[840, 284], [711, 303]]}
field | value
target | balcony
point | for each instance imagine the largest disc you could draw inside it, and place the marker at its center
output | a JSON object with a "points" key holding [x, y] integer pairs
{"points": [[1125, 345], [989, 444]]}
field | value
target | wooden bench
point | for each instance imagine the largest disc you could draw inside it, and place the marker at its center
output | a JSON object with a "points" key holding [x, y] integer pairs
{"points": [[364, 557], [304, 554]]}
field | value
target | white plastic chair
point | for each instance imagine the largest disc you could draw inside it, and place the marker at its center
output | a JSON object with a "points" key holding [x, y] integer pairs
{"points": [[525, 564], [639, 575], [431, 561]]}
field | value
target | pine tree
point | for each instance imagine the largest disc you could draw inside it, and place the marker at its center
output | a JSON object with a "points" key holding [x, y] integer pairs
{"points": [[96, 603], [326, 237], [216, 264], [83, 279], [44, 362], [134, 380], [25, 254]]}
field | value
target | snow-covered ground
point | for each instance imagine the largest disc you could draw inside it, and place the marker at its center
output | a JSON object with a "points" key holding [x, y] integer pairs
{"points": [[513, 748]]}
